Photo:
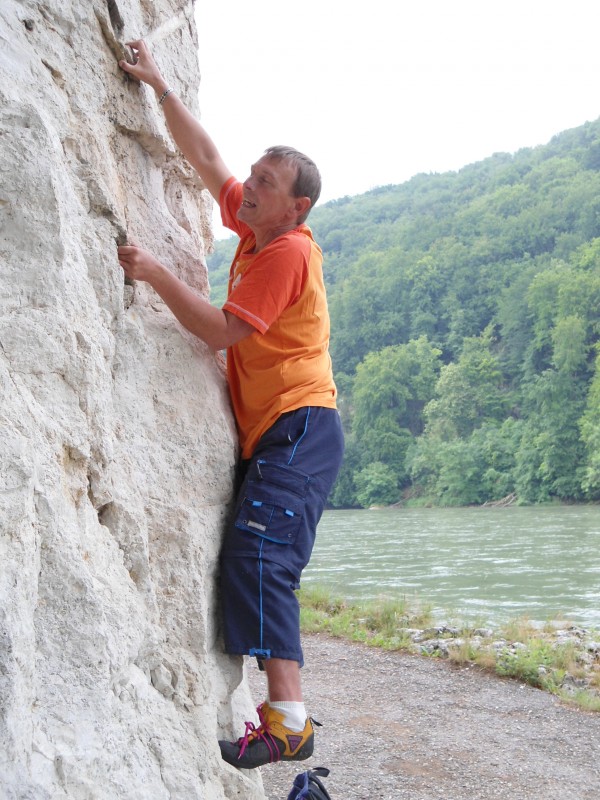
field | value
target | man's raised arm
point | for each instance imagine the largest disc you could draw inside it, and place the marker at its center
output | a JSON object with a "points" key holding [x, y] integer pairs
{"points": [[191, 138]]}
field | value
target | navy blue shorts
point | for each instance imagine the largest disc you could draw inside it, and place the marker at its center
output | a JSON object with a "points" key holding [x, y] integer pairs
{"points": [[270, 538]]}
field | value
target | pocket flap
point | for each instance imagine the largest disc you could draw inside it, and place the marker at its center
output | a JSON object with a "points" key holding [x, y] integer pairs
{"points": [[280, 475]]}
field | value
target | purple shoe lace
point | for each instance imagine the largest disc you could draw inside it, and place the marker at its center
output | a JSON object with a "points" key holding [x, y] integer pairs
{"points": [[262, 732]]}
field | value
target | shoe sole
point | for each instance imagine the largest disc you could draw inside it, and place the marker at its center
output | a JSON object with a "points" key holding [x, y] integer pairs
{"points": [[230, 756]]}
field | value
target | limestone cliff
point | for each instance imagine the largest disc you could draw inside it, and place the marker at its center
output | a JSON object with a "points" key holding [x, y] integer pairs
{"points": [[117, 445]]}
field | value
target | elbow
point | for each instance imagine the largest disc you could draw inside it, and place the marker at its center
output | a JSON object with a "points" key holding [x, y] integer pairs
{"points": [[218, 343], [219, 339], [214, 328]]}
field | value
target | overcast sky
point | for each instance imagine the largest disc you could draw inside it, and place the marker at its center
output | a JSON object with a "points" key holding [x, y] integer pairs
{"points": [[377, 91]]}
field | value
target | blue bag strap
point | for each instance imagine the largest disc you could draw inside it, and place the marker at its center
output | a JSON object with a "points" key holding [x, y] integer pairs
{"points": [[300, 787]]}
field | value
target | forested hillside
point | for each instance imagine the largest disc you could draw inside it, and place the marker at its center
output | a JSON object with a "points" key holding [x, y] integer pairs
{"points": [[465, 329]]}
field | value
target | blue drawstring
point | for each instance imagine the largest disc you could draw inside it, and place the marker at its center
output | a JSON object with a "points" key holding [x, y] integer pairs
{"points": [[260, 589]]}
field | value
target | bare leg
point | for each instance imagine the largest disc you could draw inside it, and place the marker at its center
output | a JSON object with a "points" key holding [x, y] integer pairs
{"points": [[283, 677], [281, 735]]}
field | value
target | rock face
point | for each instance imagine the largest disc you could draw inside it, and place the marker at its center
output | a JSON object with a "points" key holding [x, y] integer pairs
{"points": [[117, 445]]}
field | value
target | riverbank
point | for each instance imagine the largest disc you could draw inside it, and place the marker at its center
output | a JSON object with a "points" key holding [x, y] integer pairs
{"points": [[559, 657], [397, 726], [481, 565]]}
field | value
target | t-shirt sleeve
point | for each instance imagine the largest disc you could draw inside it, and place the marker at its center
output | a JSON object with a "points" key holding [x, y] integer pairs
{"points": [[272, 283], [230, 199]]}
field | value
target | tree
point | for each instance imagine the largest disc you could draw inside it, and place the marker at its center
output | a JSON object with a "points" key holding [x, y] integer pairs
{"points": [[390, 391], [393, 385], [549, 460], [469, 391], [376, 485], [498, 266], [466, 471], [590, 436]]}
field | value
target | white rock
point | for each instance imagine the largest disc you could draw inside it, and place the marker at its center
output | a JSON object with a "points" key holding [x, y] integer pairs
{"points": [[117, 443]]}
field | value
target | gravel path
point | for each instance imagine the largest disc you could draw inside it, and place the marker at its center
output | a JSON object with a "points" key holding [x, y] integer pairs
{"points": [[403, 727]]}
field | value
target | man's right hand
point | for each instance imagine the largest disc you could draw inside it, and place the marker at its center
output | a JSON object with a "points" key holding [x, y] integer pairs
{"points": [[144, 69], [191, 138], [138, 264]]}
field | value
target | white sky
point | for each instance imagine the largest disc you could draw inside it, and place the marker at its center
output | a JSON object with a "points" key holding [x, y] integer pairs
{"points": [[377, 91]]}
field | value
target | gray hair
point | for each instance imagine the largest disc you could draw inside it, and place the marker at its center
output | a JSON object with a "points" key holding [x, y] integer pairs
{"points": [[308, 178]]}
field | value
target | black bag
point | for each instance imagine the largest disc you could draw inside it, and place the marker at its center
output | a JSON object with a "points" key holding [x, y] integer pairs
{"points": [[307, 785]]}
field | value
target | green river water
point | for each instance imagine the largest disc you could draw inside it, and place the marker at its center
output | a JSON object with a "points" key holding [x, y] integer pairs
{"points": [[482, 565]]}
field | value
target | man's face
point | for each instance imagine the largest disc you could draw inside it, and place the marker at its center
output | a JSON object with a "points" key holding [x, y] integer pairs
{"points": [[268, 203]]}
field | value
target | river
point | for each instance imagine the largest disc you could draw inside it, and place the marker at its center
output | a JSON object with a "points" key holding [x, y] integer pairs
{"points": [[480, 565]]}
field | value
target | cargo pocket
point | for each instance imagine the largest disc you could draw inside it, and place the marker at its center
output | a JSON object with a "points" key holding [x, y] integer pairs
{"points": [[273, 503]]}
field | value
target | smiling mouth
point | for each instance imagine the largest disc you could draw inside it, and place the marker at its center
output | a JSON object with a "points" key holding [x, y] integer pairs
{"points": [[248, 204]]}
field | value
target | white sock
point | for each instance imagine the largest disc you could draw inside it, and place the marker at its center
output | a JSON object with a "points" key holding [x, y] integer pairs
{"points": [[294, 714]]}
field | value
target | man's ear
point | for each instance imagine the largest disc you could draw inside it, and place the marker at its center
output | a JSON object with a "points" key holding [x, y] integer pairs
{"points": [[301, 205]]}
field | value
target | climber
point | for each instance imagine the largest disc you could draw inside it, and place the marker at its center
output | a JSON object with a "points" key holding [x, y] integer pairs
{"points": [[275, 326]]}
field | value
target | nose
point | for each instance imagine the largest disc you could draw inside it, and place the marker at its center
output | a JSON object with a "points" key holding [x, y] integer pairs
{"points": [[249, 183]]}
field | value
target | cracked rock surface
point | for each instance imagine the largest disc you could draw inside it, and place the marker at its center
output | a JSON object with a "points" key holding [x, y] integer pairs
{"points": [[118, 446]]}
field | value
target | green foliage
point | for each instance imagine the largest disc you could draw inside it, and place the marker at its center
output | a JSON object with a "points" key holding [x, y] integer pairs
{"points": [[525, 660], [344, 490], [219, 263], [465, 327], [469, 391], [382, 621], [376, 485], [392, 385], [590, 436], [390, 390], [529, 655], [467, 471]]}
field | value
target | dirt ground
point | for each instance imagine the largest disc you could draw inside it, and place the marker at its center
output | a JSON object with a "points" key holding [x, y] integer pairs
{"points": [[405, 727]]}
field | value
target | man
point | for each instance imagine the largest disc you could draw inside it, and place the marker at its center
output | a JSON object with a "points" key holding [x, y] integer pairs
{"points": [[275, 326]]}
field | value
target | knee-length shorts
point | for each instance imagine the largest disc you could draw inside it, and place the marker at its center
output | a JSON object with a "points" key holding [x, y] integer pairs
{"points": [[270, 538]]}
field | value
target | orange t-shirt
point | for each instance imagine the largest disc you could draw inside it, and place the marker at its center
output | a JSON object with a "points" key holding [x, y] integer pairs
{"points": [[285, 363]]}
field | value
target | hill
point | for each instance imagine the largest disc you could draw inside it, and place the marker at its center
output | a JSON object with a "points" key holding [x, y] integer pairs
{"points": [[464, 312]]}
